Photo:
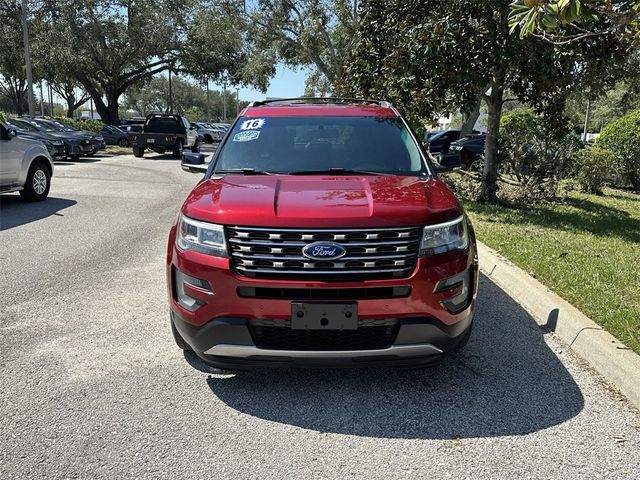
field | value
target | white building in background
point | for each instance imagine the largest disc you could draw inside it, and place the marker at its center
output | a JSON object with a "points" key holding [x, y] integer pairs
{"points": [[88, 115]]}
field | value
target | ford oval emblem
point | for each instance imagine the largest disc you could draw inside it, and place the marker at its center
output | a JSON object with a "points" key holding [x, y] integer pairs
{"points": [[324, 251]]}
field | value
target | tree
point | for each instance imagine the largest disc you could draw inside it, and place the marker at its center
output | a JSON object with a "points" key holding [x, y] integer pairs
{"points": [[153, 96], [563, 21], [304, 33], [435, 56], [13, 82], [67, 88], [622, 138], [109, 45]]}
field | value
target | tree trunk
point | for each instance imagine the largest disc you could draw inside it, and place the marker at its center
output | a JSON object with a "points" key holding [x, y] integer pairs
{"points": [[469, 119], [494, 101]]}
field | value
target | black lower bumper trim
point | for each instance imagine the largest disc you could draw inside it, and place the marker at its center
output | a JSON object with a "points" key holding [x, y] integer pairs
{"points": [[235, 332]]}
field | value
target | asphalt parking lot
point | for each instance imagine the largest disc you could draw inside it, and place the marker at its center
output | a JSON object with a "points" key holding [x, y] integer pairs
{"points": [[94, 387]]}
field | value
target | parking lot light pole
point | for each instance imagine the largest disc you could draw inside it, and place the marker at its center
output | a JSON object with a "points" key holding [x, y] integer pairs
{"points": [[27, 59]]}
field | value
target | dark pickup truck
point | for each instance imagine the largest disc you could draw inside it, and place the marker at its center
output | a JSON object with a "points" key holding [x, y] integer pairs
{"points": [[164, 133]]}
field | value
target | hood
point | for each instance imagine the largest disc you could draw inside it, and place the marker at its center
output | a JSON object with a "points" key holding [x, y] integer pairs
{"points": [[321, 201]]}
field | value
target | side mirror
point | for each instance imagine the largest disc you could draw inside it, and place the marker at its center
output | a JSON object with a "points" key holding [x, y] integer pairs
{"points": [[446, 163], [443, 168], [194, 163], [8, 133]]}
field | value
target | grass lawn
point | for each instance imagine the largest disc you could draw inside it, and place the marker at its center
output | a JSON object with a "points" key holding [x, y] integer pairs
{"points": [[586, 249]]}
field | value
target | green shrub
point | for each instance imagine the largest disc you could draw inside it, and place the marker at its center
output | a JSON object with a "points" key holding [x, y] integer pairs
{"points": [[89, 125], [537, 156], [2, 117], [591, 167], [622, 138]]}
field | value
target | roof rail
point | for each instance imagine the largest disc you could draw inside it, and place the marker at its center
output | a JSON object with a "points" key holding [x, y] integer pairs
{"points": [[319, 100]]}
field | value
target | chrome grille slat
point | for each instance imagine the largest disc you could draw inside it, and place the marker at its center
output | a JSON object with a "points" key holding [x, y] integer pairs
{"points": [[285, 243], [305, 259], [372, 253]]}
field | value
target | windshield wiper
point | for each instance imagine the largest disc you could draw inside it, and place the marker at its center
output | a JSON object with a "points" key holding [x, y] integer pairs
{"points": [[337, 171], [243, 171]]}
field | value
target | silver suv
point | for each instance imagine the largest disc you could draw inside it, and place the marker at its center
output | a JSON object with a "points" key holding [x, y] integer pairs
{"points": [[25, 166]]}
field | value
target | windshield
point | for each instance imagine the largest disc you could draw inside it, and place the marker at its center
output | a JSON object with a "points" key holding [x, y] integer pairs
{"points": [[294, 144], [65, 128], [20, 126], [45, 126]]}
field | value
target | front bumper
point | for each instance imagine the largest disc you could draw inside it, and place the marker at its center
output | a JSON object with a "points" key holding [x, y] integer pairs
{"points": [[227, 343], [222, 331]]}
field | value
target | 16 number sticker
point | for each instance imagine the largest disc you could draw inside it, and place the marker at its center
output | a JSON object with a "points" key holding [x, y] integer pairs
{"points": [[253, 124]]}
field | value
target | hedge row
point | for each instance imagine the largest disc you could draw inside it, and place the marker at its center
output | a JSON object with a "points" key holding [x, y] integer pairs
{"points": [[89, 125]]}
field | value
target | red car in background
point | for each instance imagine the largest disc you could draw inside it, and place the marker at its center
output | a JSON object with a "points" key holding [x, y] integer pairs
{"points": [[321, 235]]}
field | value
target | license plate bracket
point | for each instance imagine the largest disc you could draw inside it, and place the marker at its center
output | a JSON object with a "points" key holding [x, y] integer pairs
{"points": [[151, 140], [324, 316]]}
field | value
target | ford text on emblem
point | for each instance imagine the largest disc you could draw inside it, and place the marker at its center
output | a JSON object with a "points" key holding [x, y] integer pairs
{"points": [[324, 251]]}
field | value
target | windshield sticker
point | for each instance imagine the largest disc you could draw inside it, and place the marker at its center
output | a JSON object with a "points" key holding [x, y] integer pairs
{"points": [[246, 136], [253, 124]]}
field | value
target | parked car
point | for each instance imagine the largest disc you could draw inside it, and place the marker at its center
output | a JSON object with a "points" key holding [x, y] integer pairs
{"points": [[162, 133], [25, 165], [439, 143], [209, 134], [342, 249], [114, 136], [96, 139], [466, 152], [54, 145], [75, 146]]}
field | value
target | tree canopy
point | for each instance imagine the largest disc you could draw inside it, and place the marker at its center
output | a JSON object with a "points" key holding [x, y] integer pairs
{"points": [[431, 57]]}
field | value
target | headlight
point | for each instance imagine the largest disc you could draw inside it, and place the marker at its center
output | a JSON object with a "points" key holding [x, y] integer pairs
{"points": [[444, 237], [57, 143], [201, 237], [99, 138]]}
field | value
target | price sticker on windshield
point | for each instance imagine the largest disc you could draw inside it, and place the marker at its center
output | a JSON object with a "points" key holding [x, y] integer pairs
{"points": [[253, 124]]}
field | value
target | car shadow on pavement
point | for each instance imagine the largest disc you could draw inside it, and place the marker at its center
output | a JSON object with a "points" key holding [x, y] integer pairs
{"points": [[15, 212], [507, 381]]}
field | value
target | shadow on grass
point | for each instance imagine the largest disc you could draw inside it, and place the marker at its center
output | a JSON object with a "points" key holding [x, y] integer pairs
{"points": [[505, 382], [572, 214]]}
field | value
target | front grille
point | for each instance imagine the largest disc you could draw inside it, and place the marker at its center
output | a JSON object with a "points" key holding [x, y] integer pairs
{"points": [[371, 254], [277, 335], [369, 293]]}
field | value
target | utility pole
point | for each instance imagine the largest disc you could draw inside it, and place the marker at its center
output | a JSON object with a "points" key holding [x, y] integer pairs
{"points": [[41, 100], [50, 98], [587, 117], [224, 100], [237, 101], [27, 59], [170, 94], [208, 102]]}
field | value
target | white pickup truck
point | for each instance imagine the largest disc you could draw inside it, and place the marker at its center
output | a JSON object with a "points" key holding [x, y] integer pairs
{"points": [[25, 166]]}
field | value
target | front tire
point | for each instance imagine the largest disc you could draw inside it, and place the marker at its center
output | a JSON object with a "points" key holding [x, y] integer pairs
{"points": [[180, 342], [36, 188], [138, 152], [123, 142]]}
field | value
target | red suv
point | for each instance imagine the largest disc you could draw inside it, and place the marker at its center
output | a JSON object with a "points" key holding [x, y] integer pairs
{"points": [[320, 235]]}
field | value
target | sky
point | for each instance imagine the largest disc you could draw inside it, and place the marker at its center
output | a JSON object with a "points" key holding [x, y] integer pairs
{"points": [[286, 83]]}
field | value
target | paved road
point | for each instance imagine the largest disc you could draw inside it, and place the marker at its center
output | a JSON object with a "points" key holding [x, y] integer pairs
{"points": [[93, 387]]}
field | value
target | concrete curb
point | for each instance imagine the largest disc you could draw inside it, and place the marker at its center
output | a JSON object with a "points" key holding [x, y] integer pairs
{"points": [[616, 362]]}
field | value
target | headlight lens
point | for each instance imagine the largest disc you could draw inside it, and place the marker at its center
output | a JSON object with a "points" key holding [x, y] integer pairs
{"points": [[207, 238], [444, 237]]}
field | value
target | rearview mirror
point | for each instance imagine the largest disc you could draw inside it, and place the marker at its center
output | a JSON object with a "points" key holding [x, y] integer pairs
{"points": [[194, 163]]}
